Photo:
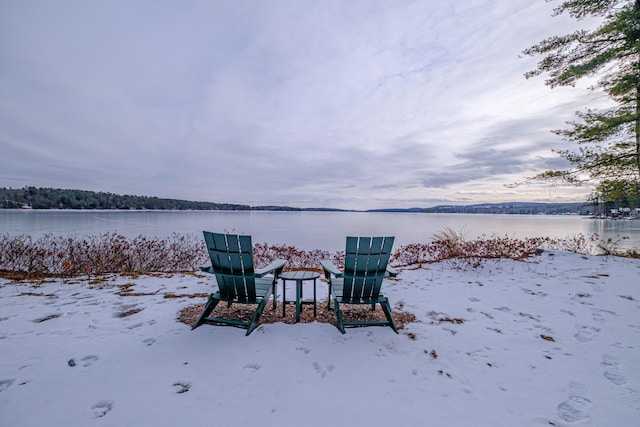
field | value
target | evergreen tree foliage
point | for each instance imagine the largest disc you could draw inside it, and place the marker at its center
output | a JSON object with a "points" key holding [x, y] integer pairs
{"points": [[608, 140], [54, 198]]}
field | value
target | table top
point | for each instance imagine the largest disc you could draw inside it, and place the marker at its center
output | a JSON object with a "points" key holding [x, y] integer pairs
{"points": [[299, 275]]}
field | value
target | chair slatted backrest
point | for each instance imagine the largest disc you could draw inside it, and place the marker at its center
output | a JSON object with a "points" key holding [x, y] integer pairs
{"points": [[365, 263], [232, 262]]}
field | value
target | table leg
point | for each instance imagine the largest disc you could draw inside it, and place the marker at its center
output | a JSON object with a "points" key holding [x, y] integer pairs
{"points": [[284, 297], [314, 298]]}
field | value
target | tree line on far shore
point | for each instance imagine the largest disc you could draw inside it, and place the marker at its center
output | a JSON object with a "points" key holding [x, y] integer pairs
{"points": [[53, 198]]}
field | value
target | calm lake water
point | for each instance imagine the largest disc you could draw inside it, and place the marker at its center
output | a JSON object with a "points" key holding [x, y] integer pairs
{"points": [[308, 230]]}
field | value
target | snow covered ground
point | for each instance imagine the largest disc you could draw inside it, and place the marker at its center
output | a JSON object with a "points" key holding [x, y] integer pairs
{"points": [[553, 340]]}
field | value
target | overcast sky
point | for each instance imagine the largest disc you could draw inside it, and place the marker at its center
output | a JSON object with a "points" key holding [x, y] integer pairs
{"points": [[346, 104]]}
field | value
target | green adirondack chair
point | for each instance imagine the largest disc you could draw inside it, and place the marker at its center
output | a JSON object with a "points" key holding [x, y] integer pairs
{"points": [[365, 267], [238, 282]]}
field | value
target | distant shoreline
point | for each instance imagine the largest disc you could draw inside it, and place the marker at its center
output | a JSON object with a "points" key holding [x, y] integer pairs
{"points": [[33, 198], [538, 209], [460, 210]]}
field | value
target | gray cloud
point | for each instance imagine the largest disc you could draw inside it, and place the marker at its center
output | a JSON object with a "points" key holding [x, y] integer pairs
{"points": [[346, 104]]}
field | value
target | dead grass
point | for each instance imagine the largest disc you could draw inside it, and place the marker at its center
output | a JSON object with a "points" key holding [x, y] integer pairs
{"points": [[37, 294], [19, 276], [44, 319], [189, 315], [128, 313], [193, 295]]}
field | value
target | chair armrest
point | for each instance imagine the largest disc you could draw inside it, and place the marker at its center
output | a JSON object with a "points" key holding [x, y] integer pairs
{"points": [[207, 267], [276, 267], [391, 272], [330, 269]]}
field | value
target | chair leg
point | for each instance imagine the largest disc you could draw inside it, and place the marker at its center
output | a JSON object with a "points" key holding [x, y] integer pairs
{"points": [[274, 291], [211, 304], [387, 312], [256, 316], [339, 316]]}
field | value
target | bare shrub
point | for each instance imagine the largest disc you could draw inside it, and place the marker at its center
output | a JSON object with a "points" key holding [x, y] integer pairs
{"points": [[451, 246], [297, 259], [21, 256], [94, 255], [587, 245]]}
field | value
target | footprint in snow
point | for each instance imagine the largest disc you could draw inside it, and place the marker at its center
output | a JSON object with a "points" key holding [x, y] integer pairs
{"points": [[101, 409], [598, 315], [585, 333], [4, 384], [89, 360], [321, 371], [149, 341], [612, 370], [252, 367], [182, 386], [573, 409]]}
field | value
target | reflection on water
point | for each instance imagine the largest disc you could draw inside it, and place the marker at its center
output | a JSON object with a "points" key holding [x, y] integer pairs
{"points": [[309, 230]]}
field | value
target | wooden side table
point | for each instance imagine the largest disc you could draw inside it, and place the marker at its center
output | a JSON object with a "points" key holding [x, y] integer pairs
{"points": [[299, 277]]}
